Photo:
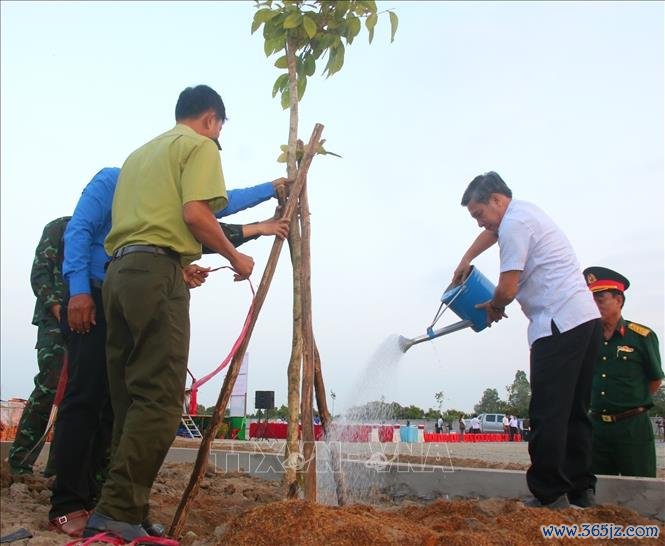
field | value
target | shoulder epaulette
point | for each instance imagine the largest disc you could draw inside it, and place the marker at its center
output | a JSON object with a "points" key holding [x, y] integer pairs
{"points": [[642, 330]]}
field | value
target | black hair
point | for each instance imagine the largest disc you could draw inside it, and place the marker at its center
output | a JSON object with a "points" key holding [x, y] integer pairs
{"points": [[194, 101], [483, 186]]}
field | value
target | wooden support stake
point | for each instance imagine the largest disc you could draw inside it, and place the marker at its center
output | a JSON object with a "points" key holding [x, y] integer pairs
{"points": [[306, 413], [180, 517], [292, 446]]}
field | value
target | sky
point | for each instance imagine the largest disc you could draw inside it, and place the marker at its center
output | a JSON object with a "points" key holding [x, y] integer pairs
{"points": [[563, 99]]}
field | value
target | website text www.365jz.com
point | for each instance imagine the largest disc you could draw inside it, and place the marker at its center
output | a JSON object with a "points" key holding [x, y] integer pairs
{"points": [[600, 531]]}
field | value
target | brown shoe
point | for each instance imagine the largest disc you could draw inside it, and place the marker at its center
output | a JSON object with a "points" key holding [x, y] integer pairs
{"points": [[71, 524]]}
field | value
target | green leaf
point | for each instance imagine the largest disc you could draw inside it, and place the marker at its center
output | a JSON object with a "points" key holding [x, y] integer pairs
{"points": [[370, 22], [274, 44], [394, 21], [302, 85], [261, 17], [309, 26], [310, 65], [322, 151], [282, 62], [293, 21], [371, 34], [273, 28], [368, 5], [280, 83], [341, 7], [286, 99], [335, 59], [353, 26], [282, 158], [327, 40], [284, 147]]}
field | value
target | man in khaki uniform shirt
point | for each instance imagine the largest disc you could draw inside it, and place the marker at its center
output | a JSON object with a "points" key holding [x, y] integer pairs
{"points": [[162, 214]]}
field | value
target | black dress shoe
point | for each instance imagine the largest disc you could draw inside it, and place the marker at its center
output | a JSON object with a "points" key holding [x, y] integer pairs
{"points": [[584, 499], [560, 503], [154, 529], [99, 523]]}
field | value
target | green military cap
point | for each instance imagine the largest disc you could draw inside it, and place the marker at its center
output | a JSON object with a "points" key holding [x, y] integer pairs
{"points": [[602, 278]]}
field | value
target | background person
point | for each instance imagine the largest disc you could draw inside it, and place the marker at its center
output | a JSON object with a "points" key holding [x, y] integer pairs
{"points": [[539, 268], [49, 288], [512, 424], [627, 374]]}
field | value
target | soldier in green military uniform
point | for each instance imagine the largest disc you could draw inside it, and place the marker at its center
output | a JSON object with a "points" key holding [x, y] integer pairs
{"points": [[47, 284], [626, 376]]}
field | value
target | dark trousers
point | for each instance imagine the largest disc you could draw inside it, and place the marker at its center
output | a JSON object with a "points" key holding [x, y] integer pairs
{"points": [[513, 433], [147, 308], [560, 436], [85, 419], [626, 447]]}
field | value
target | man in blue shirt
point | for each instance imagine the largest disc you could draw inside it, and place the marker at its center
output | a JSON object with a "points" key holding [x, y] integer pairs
{"points": [[85, 417]]}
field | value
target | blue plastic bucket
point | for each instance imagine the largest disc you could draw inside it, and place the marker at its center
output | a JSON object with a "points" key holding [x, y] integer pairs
{"points": [[463, 298], [408, 434]]}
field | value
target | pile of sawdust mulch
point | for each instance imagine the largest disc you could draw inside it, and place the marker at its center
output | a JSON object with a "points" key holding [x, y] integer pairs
{"points": [[456, 523]]}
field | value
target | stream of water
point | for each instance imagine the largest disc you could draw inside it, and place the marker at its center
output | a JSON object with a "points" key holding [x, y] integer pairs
{"points": [[372, 381]]}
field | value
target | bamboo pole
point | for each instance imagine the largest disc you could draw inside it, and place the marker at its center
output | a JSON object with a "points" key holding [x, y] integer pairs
{"points": [[180, 517]]}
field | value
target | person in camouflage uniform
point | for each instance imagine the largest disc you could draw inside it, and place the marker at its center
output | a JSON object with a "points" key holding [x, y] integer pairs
{"points": [[48, 286]]}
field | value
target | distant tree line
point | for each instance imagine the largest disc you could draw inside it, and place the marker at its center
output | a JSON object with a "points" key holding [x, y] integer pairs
{"points": [[516, 403]]}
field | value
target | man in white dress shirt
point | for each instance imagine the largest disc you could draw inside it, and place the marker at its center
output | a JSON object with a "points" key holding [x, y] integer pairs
{"points": [[539, 269]]}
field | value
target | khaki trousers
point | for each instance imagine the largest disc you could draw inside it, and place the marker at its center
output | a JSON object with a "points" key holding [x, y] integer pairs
{"points": [[147, 313]]}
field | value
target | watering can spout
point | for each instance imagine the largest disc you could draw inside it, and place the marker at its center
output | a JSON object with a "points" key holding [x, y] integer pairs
{"points": [[405, 343]]}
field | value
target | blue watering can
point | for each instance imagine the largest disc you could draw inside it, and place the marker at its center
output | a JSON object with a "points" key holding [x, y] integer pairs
{"points": [[462, 299]]}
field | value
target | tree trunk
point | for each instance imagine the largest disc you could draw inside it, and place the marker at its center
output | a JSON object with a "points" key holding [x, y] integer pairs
{"points": [[306, 413], [180, 517], [292, 449]]}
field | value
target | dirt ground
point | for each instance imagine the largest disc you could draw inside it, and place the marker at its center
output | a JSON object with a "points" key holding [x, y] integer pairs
{"points": [[240, 510]]}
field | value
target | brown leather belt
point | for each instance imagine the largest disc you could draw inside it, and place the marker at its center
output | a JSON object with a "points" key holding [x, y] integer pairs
{"points": [[607, 418]]}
